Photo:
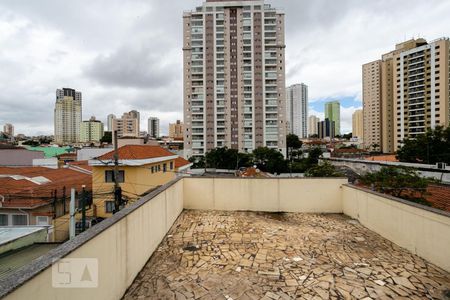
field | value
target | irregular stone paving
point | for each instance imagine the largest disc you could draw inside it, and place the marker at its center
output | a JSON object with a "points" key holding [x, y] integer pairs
{"points": [[244, 255]]}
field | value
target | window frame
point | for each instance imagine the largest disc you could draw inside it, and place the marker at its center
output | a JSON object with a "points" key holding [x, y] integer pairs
{"points": [[109, 176], [109, 204]]}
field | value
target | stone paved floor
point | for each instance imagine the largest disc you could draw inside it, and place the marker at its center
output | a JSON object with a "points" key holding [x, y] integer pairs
{"points": [[242, 255]]}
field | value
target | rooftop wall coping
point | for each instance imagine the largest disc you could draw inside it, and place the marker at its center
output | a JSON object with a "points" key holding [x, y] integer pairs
{"points": [[420, 167], [27, 272], [403, 201], [265, 178]]}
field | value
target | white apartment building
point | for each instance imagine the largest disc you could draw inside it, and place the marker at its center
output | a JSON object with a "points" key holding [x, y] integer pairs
{"points": [[234, 77], [67, 116], [109, 121], [297, 109]]}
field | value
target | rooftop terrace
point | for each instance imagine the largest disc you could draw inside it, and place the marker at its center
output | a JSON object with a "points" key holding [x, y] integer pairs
{"points": [[248, 255], [234, 238]]}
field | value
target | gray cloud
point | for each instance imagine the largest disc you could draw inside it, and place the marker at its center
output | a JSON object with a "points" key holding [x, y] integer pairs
{"points": [[134, 66], [127, 55]]}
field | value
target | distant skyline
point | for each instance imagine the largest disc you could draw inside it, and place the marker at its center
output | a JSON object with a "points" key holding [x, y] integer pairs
{"points": [[127, 55]]}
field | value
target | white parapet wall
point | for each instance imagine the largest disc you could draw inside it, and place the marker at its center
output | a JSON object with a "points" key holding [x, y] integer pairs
{"points": [[423, 231], [311, 195], [122, 245]]}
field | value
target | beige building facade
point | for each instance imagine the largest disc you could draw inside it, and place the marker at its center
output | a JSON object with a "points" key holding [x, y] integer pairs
{"points": [[176, 130], [67, 116], [8, 129], [127, 126], [358, 124], [405, 93], [234, 77], [312, 125]]}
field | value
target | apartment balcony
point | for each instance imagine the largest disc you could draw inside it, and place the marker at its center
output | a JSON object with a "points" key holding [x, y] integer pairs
{"points": [[233, 238]]}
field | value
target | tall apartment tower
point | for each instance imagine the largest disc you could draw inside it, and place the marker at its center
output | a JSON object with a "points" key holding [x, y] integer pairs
{"points": [[153, 127], [234, 77], [333, 113], [67, 116], [127, 126], [176, 130], [109, 121], [358, 124], [410, 92], [297, 109], [8, 129], [312, 125]]}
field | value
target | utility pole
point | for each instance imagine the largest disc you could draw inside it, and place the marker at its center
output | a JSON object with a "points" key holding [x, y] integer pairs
{"points": [[83, 209], [72, 214], [117, 190]]}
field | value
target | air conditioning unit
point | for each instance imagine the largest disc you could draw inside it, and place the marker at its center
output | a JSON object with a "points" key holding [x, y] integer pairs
{"points": [[441, 165]]}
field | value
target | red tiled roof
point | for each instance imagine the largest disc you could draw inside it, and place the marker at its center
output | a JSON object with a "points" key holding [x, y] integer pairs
{"points": [[439, 196], [138, 152], [27, 194], [181, 162], [382, 158], [84, 164]]}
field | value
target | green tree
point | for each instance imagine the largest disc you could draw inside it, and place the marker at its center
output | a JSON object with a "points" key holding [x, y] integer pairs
{"points": [[270, 160], [107, 137], [399, 182], [198, 162], [431, 147], [323, 170]]}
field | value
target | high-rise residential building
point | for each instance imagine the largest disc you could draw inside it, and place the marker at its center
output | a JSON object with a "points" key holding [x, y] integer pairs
{"points": [[406, 93], [297, 109], [372, 104], [312, 125], [176, 130], [153, 127], [136, 115], [333, 113], [67, 117], [8, 129], [234, 77], [127, 126], [109, 121], [91, 131], [326, 129], [358, 124]]}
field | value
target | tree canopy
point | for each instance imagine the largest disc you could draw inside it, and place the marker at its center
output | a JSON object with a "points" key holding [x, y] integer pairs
{"points": [[431, 147]]}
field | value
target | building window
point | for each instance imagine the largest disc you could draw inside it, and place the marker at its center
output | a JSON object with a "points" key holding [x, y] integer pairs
{"points": [[109, 176], [19, 220], [171, 165], [164, 168], [3, 220], [41, 220], [109, 206]]}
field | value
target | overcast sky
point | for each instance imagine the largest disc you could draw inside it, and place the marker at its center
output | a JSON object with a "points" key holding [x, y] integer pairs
{"points": [[126, 54]]}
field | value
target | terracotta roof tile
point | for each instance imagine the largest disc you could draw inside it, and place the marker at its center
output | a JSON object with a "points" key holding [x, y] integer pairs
{"points": [[181, 162], [25, 193], [138, 152]]}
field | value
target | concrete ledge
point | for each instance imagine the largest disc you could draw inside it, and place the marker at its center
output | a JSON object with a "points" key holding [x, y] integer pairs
{"points": [[422, 230], [41, 264]]}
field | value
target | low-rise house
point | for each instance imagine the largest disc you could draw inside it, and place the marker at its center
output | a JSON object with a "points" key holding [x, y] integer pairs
{"points": [[182, 166], [39, 196], [141, 168]]}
